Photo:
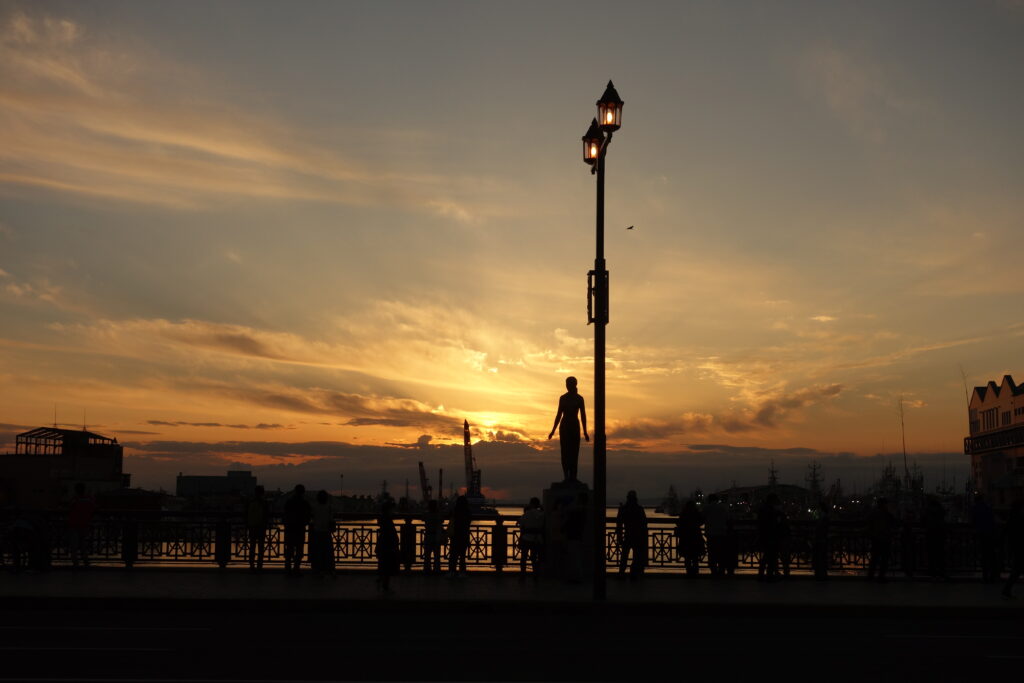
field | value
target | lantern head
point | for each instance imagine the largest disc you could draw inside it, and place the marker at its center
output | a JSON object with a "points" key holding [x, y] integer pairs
{"points": [[609, 109], [592, 141]]}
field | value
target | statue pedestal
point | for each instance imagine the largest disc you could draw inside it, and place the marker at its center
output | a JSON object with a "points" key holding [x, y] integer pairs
{"points": [[568, 531]]}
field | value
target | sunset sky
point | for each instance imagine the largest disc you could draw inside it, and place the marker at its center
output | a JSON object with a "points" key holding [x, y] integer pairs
{"points": [[314, 237]]}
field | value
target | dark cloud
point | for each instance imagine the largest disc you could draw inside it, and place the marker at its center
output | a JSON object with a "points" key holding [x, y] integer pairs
{"points": [[182, 423], [359, 410], [766, 415], [506, 437], [772, 410], [423, 442]]}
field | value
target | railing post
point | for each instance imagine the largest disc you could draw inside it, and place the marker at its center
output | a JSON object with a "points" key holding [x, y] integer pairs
{"points": [[499, 545], [222, 541], [129, 541]]}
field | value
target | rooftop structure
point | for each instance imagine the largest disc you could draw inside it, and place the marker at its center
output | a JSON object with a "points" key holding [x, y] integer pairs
{"points": [[996, 441], [48, 461]]}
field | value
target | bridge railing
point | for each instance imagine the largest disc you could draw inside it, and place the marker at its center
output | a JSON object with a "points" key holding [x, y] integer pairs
{"points": [[218, 539]]}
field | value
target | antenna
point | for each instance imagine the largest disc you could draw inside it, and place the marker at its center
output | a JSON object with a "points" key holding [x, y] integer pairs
{"points": [[903, 434], [54, 415], [83, 420], [967, 397]]}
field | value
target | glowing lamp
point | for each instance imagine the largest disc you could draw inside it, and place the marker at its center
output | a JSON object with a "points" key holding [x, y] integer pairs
{"points": [[592, 141], [609, 109]]}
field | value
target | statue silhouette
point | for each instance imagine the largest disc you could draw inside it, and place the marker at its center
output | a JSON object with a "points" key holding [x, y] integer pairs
{"points": [[569, 404]]}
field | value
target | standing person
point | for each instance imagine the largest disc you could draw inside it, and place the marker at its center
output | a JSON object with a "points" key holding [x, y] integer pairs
{"points": [[1015, 545], [785, 541], [984, 522], [297, 514], [631, 531], [408, 544], [690, 542], [820, 550], [80, 515], [880, 526], [459, 536], [257, 519], [321, 541], [387, 548], [768, 523], [731, 548], [716, 524], [433, 530], [935, 531], [531, 535], [908, 547], [569, 404]]}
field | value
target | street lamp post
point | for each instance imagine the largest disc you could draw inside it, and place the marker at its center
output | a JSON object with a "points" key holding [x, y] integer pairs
{"points": [[595, 147]]}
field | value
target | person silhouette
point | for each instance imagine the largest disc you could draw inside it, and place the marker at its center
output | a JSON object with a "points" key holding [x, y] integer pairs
{"points": [[460, 526], [631, 533], [569, 404], [297, 513], [387, 548], [257, 520]]}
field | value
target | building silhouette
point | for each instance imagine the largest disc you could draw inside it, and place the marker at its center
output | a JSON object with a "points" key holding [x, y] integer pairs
{"points": [[47, 463], [996, 441], [234, 483]]}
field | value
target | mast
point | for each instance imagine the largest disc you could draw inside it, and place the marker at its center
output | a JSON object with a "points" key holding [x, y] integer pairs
{"points": [[472, 473], [425, 490]]}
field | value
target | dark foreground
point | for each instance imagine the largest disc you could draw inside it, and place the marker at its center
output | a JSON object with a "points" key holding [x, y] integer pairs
{"points": [[156, 625]]}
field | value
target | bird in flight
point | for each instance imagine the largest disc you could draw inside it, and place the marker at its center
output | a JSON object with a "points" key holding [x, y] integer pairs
{"points": [[630, 227]]}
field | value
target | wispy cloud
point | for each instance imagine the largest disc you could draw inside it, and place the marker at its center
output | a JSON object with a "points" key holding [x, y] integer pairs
{"points": [[858, 91], [85, 118], [183, 423]]}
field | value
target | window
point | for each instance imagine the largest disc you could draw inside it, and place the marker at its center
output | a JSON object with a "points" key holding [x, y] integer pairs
{"points": [[989, 419], [1006, 419]]}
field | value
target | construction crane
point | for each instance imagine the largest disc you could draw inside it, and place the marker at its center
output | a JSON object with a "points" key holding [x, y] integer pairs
{"points": [[472, 473], [425, 489]]}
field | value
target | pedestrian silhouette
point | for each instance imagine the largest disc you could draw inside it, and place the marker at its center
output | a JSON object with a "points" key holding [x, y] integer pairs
{"points": [[433, 531], [908, 548], [297, 514], [716, 519], [257, 519], [408, 544], [80, 514], [1015, 545], [820, 548], [689, 538], [631, 533], [768, 532], [880, 527], [935, 532], [531, 535], [568, 425], [785, 541], [387, 548], [321, 536], [983, 520], [731, 548], [459, 536]]}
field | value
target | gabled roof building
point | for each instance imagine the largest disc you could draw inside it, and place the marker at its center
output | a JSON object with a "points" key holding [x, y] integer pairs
{"points": [[996, 441]]}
